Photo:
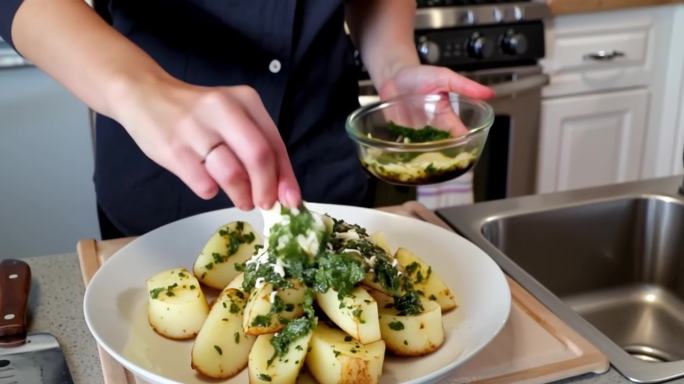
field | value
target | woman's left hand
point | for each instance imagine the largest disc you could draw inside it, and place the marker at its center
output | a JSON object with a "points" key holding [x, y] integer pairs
{"points": [[423, 79]]}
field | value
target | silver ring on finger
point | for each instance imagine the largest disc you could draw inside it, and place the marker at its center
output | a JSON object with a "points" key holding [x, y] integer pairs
{"points": [[213, 147]]}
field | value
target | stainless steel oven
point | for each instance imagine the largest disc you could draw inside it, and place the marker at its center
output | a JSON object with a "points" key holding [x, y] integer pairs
{"points": [[508, 166], [498, 43]]}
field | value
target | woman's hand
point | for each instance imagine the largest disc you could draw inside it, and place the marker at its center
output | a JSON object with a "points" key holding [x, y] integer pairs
{"points": [[211, 137], [423, 79]]}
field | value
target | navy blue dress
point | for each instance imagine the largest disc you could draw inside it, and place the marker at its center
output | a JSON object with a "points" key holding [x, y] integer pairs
{"points": [[294, 53]]}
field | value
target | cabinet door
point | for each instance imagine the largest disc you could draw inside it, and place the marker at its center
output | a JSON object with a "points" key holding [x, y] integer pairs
{"points": [[591, 140]]}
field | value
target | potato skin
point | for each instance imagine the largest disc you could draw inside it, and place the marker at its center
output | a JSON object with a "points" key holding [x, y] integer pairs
{"points": [[334, 358], [176, 306], [221, 348], [215, 265], [426, 280]]}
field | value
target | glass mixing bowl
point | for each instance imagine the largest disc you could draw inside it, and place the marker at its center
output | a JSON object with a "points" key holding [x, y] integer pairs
{"points": [[420, 139]]}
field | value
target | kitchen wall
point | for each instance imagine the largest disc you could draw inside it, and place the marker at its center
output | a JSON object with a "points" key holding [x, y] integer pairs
{"points": [[47, 198]]}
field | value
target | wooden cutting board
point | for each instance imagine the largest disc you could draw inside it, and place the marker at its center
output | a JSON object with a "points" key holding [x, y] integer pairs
{"points": [[535, 346]]}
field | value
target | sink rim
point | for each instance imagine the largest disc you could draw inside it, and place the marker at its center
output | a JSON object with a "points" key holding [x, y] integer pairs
{"points": [[469, 221], [640, 196]]}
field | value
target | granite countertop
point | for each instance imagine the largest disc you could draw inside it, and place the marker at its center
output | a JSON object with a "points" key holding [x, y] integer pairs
{"points": [[560, 7], [56, 306]]}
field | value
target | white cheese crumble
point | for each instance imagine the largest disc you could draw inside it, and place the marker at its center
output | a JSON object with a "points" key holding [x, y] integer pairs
{"points": [[260, 282], [279, 268], [309, 243], [351, 250], [349, 235], [259, 259], [272, 298], [394, 262]]}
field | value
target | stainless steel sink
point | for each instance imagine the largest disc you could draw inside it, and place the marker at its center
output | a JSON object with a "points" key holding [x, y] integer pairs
{"points": [[609, 261]]}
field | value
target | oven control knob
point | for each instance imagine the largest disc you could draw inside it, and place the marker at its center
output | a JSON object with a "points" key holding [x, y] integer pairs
{"points": [[514, 44], [428, 51], [480, 47]]}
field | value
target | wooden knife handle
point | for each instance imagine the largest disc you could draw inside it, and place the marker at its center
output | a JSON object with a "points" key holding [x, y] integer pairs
{"points": [[15, 284]]}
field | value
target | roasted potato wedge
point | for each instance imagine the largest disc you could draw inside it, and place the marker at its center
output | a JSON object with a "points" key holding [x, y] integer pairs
{"points": [[221, 348], [337, 358], [231, 244], [425, 280], [356, 314], [176, 306], [259, 315], [414, 335], [281, 370], [378, 238], [237, 282]]}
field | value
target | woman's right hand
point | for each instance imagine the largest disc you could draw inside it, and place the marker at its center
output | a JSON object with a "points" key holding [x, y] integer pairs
{"points": [[211, 137]]}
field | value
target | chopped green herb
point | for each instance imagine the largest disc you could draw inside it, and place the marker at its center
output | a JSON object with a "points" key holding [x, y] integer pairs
{"points": [[209, 266], [261, 321], [192, 286], [337, 353], [419, 276], [405, 342], [427, 133], [348, 338], [396, 325], [264, 377], [430, 169], [234, 308], [237, 337], [155, 292], [433, 297], [218, 349]]}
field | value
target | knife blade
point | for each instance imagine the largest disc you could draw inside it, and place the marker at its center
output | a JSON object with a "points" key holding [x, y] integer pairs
{"points": [[34, 358]]}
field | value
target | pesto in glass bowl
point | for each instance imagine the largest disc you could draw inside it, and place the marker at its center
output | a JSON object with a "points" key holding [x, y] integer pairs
{"points": [[420, 139]]}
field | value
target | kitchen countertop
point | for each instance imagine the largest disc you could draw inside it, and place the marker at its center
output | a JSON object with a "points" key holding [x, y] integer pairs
{"points": [[56, 306], [560, 7]]}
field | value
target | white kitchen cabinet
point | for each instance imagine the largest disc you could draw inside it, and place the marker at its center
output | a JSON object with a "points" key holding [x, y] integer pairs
{"points": [[592, 139], [612, 111]]}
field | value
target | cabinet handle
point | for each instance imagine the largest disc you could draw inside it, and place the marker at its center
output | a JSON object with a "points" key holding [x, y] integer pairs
{"points": [[604, 55]]}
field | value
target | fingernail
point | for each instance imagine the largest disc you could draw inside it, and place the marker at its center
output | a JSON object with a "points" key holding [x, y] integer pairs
{"points": [[292, 198], [246, 207]]}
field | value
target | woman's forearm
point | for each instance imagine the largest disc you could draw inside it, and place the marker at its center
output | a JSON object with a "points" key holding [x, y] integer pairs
{"points": [[383, 32], [70, 42]]}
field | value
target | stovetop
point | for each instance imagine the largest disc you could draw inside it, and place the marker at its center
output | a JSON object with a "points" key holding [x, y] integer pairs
{"points": [[444, 3]]}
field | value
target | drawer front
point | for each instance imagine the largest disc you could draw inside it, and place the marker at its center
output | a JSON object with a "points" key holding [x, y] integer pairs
{"points": [[604, 51], [600, 52]]}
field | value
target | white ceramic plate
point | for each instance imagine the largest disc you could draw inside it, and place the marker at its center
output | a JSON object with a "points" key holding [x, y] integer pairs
{"points": [[115, 299]]}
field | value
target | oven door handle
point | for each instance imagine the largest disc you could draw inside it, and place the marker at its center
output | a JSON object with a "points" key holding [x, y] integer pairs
{"points": [[525, 84]]}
